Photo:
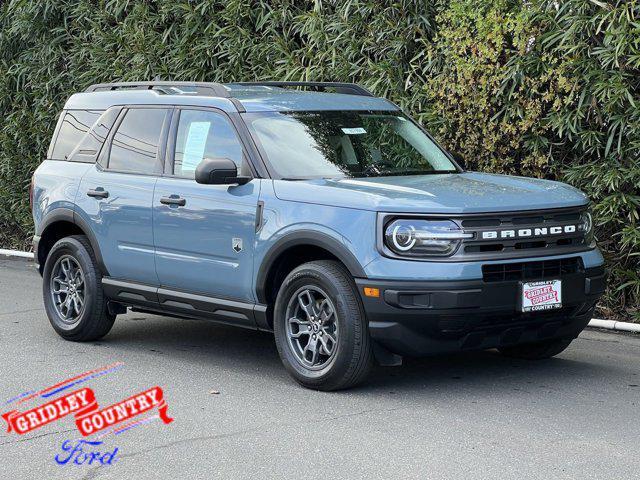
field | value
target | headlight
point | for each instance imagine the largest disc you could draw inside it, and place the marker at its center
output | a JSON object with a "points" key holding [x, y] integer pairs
{"points": [[585, 226], [423, 238]]}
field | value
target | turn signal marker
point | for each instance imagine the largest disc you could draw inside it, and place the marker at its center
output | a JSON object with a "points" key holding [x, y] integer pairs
{"points": [[371, 292]]}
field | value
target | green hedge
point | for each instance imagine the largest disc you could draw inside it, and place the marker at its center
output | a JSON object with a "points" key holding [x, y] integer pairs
{"points": [[542, 88]]}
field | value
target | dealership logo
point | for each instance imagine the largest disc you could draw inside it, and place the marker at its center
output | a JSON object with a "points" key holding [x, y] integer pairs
{"points": [[88, 418], [82, 406], [529, 232]]}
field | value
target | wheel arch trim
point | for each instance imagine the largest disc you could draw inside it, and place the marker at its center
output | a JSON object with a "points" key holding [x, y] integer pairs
{"points": [[64, 214], [301, 238]]}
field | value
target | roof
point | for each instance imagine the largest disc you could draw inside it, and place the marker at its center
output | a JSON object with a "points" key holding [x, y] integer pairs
{"points": [[266, 98], [252, 98]]}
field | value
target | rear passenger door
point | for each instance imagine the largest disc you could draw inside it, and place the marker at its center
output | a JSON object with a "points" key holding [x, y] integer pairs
{"points": [[204, 234], [116, 195]]}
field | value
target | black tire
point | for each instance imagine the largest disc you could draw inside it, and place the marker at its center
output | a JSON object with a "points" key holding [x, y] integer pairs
{"points": [[93, 320], [537, 351], [352, 359]]}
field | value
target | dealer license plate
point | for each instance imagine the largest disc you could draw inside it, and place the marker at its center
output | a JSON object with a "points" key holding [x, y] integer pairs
{"points": [[538, 296]]}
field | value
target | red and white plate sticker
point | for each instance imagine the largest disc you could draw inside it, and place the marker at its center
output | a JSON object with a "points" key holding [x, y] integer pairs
{"points": [[537, 296]]}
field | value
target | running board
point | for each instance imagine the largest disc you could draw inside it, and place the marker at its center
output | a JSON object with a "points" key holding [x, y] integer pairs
{"points": [[185, 304]]}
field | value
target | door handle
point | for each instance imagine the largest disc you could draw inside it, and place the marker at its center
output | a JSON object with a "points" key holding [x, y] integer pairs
{"points": [[98, 193], [181, 202]]}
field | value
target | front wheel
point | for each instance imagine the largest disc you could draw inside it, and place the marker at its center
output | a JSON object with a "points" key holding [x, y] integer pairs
{"points": [[537, 351], [320, 327], [72, 289]]}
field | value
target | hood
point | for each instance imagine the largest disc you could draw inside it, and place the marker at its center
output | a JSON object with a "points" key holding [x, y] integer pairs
{"points": [[468, 192]]}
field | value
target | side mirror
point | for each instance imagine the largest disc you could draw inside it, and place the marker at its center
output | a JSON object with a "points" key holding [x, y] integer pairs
{"points": [[219, 171]]}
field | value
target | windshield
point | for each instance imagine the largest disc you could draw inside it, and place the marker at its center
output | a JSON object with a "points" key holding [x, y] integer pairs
{"points": [[301, 145]]}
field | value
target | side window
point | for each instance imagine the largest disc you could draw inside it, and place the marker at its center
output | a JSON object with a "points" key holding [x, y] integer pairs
{"points": [[204, 134], [75, 124], [134, 147], [88, 148]]}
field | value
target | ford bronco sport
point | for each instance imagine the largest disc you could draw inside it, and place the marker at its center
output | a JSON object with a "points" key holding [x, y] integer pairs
{"points": [[318, 212]]}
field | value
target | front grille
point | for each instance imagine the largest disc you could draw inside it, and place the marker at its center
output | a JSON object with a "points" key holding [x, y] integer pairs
{"points": [[508, 235], [531, 271], [515, 234]]}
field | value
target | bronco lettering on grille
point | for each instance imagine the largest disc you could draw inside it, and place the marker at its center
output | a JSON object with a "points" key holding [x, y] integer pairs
{"points": [[529, 232]]}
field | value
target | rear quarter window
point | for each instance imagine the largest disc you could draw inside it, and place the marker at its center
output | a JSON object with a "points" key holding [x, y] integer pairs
{"points": [[89, 147], [74, 125]]}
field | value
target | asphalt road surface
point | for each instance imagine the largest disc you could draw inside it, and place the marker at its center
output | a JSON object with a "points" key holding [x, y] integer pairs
{"points": [[237, 414]]}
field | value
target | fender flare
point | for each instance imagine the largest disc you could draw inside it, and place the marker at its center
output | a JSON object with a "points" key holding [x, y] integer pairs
{"points": [[60, 214], [64, 214], [305, 237]]}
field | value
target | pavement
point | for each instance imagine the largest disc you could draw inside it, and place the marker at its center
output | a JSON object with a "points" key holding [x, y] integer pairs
{"points": [[237, 414]]}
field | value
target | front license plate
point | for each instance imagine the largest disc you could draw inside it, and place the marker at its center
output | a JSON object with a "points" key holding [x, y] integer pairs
{"points": [[537, 296]]}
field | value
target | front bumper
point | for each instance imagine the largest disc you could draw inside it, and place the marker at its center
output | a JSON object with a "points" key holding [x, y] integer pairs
{"points": [[427, 318]]}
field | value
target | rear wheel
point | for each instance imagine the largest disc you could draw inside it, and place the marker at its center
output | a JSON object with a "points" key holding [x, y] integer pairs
{"points": [[320, 327], [72, 290], [537, 351]]}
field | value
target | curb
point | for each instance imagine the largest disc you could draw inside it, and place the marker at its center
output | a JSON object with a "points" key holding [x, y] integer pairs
{"points": [[613, 325], [594, 323], [16, 253]]}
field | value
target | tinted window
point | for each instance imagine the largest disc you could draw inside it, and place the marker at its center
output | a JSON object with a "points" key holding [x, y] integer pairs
{"points": [[91, 143], [135, 144], [75, 124], [202, 134]]}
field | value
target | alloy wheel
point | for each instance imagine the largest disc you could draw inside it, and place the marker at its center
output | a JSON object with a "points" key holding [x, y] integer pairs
{"points": [[312, 327], [68, 289]]}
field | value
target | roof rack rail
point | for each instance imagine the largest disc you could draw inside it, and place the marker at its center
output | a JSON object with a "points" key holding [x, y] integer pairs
{"points": [[339, 87], [199, 88]]}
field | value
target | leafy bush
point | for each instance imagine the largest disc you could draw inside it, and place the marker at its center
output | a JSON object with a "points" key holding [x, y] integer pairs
{"points": [[551, 91], [542, 88]]}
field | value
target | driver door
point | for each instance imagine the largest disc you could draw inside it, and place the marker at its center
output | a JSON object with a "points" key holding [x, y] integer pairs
{"points": [[204, 234]]}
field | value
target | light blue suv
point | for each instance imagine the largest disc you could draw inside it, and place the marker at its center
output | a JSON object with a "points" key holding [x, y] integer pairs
{"points": [[313, 210]]}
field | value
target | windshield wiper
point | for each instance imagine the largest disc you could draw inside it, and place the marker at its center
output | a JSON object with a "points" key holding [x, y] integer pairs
{"points": [[400, 173], [298, 179], [436, 172]]}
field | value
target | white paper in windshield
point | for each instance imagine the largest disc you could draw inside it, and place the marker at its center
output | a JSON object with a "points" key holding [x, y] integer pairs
{"points": [[354, 131]]}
